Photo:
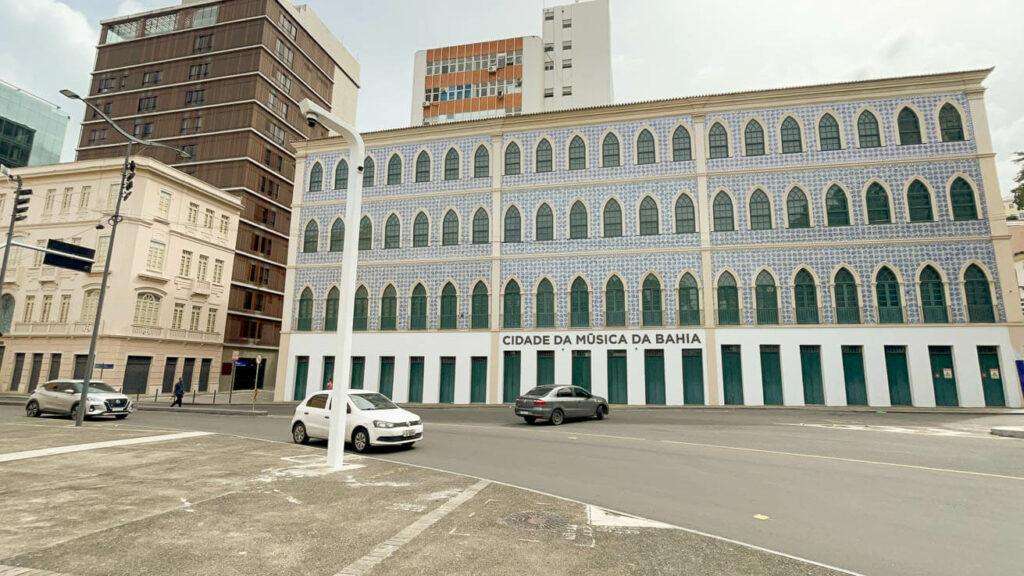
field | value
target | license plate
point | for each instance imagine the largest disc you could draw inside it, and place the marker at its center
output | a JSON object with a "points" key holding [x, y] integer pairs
{"points": [[117, 409], [522, 413], [409, 433]]}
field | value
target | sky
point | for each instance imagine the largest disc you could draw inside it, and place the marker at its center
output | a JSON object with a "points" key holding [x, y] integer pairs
{"points": [[660, 48]]}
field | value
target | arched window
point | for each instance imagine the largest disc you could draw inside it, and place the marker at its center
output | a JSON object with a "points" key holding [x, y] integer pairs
{"points": [[753, 139], [979, 297], [392, 233], [689, 301], [577, 154], [451, 165], [728, 300], [450, 229], [545, 305], [481, 227], [337, 243], [828, 133], [792, 141], [513, 226], [681, 145], [544, 163], [365, 233], [805, 297], [887, 297], [479, 309], [418, 308], [909, 126], [766, 299], [798, 208], [760, 211], [933, 297], [512, 306], [362, 309], [867, 130], [722, 209], [420, 231], [394, 170], [316, 178], [481, 162], [951, 124], [645, 153], [449, 307], [878, 205], [686, 221], [512, 159], [718, 141], [331, 310], [89, 304], [650, 301], [389, 309], [311, 237], [577, 221], [368, 172], [305, 323], [147, 309], [610, 151], [614, 303], [919, 202], [961, 198], [423, 167], [846, 296], [341, 176], [649, 217], [612, 219], [579, 304], [545, 224], [837, 207]]}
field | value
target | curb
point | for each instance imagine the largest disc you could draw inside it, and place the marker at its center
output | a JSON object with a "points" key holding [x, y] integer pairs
{"points": [[1008, 431], [220, 411]]}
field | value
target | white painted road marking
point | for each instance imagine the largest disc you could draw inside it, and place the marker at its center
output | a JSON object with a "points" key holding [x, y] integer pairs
{"points": [[14, 456]]}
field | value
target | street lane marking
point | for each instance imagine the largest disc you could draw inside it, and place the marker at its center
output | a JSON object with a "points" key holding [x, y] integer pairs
{"points": [[393, 544], [14, 456]]}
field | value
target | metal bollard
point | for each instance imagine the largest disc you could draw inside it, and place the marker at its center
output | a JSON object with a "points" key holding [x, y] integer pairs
{"points": [[231, 392], [156, 395], [214, 396], [193, 397]]}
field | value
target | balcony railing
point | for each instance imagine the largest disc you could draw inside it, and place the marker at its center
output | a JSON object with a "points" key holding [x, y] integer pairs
{"points": [[689, 317], [890, 314], [808, 315], [767, 315], [653, 318], [729, 316], [935, 314], [140, 330], [480, 321], [847, 315], [616, 318], [981, 313]]}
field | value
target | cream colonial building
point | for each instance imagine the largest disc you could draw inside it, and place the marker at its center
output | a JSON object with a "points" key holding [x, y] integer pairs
{"points": [[167, 292]]}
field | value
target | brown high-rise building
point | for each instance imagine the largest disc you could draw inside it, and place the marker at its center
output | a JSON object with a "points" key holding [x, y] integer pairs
{"points": [[223, 79]]}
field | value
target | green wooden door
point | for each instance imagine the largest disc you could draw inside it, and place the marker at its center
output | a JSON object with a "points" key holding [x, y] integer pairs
{"points": [[447, 395], [301, 373], [618, 390], [899, 376], [358, 365], [545, 367], [771, 375], [387, 376], [732, 374], [693, 377], [328, 372], [853, 372], [478, 379], [416, 379], [581, 369], [810, 366], [511, 381], [991, 376], [654, 376], [943, 377]]}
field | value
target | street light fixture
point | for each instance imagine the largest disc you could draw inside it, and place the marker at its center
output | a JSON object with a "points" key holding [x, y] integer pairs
{"points": [[114, 221]]}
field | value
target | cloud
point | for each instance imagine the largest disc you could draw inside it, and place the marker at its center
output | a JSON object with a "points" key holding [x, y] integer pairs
{"points": [[130, 7]]}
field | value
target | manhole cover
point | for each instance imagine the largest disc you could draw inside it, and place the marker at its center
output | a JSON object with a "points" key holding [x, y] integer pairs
{"points": [[536, 520]]}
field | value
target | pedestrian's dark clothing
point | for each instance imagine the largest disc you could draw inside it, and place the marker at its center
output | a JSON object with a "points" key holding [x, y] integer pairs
{"points": [[179, 392]]}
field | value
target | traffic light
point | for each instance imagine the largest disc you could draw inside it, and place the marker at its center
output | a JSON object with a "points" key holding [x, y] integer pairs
{"points": [[129, 179], [21, 200]]}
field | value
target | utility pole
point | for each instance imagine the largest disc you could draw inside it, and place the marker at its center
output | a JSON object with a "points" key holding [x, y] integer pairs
{"points": [[21, 200]]}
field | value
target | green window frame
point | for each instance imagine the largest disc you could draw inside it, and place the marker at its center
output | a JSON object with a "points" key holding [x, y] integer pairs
{"points": [[614, 302], [645, 149], [686, 219], [792, 137], [753, 139], [577, 154], [480, 318], [544, 162], [369, 169], [689, 301], [361, 309], [718, 141], [513, 226], [766, 298], [365, 233], [394, 170], [650, 301], [847, 298], [649, 225], [909, 126], [513, 159], [449, 307], [451, 164], [760, 211], [579, 304], [805, 298], [723, 213], [728, 300], [887, 297], [512, 306], [877, 201], [450, 229], [331, 310], [311, 237], [919, 202], [341, 175], [578, 221], [418, 308], [798, 209], [979, 296], [420, 231], [389, 309], [545, 224], [481, 227], [868, 135], [545, 305], [828, 134], [305, 322], [681, 150], [316, 178], [837, 206], [392, 233], [933, 297], [612, 219], [481, 162], [337, 241], [961, 199], [423, 167], [951, 123], [610, 151]]}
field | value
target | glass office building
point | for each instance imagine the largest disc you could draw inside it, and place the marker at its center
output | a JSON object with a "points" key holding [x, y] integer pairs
{"points": [[31, 129]]}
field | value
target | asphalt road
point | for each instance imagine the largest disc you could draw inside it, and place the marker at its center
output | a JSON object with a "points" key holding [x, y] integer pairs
{"points": [[876, 493]]}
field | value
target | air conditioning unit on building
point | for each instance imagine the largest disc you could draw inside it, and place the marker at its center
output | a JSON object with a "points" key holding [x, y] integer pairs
{"points": [[519, 82], [501, 92], [492, 68], [426, 103]]}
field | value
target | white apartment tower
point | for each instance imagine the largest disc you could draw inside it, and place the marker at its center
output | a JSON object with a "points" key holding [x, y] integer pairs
{"points": [[577, 56]]}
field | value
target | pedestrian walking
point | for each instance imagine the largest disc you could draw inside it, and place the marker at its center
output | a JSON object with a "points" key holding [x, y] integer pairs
{"points": [[179, 393]]}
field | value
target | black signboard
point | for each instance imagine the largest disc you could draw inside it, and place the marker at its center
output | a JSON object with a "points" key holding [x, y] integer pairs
{"points": [[65, 261]]}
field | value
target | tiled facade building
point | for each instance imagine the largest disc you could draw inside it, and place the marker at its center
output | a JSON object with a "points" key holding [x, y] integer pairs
{"points": [[835, 244]]}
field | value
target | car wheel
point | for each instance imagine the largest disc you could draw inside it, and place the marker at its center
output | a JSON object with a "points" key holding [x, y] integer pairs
{"points": [[299, 435], [120, 416], [557, 417], [32, 409], [530, 419], [360, 440], [602, 411]]}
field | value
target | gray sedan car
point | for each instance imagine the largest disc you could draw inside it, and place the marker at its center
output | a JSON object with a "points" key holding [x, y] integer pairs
{"points": [[556, 403]]}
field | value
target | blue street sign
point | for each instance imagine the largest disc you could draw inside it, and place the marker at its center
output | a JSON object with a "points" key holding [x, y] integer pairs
{"points": [[240, 363], [104, 366]]}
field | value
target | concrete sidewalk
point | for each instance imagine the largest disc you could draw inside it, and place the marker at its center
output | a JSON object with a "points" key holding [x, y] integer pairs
{"points": [[224, 505]]}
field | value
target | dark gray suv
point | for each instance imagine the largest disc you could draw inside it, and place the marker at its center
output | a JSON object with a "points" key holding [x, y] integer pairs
{"points": [[556, 403]]}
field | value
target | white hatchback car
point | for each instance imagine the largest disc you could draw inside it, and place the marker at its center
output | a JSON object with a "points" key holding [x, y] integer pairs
{"points": [[373, 420]]}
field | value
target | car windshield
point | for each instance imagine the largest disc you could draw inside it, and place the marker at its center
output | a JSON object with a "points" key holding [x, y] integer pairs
{"points": [[539, 391], [371, 401], [99, 387]]}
